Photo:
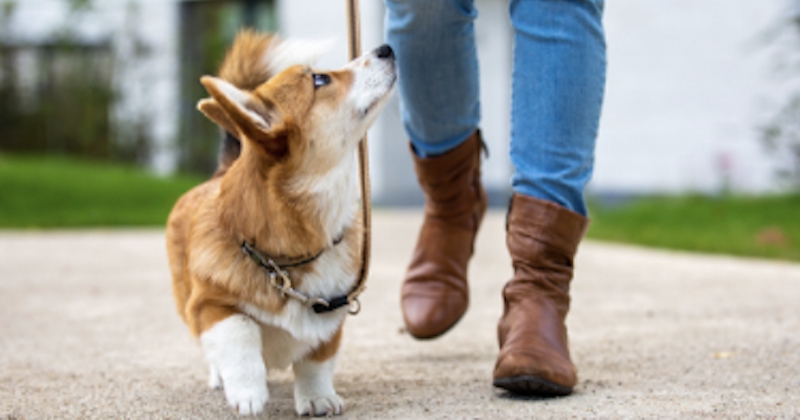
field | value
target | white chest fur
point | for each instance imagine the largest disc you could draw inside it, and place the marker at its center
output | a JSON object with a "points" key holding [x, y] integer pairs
{"points": [[290, 334]]}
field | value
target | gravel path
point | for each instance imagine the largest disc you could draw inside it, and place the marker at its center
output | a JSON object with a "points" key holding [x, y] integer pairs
{"points": [[88, 331]]}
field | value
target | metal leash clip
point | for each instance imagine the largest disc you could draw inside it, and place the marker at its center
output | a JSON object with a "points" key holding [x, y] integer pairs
{"points": [[354, 307], [281, 281]]}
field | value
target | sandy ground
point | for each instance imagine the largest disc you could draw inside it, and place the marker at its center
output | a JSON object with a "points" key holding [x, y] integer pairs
{"points": [[88, 331]]}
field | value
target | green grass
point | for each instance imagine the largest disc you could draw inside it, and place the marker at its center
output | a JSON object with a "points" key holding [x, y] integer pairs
{"points": [[49, 192], [766, 226]]}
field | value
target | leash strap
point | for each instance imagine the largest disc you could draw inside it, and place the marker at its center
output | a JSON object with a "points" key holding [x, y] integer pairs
{"points": [[354, 49], [278, 277]]}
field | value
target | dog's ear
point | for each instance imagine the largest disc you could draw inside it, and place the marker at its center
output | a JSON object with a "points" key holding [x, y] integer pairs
{"points": [[250, 116], [212, 109]]}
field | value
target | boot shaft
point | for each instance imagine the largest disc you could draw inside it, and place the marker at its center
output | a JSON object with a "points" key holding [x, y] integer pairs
{"points": [[542, 238], [451, 181]]}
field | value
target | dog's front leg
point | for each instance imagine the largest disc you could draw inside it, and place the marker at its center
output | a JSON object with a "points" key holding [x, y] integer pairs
{"points": [[313, 381], [314, 394], [233, 349]]}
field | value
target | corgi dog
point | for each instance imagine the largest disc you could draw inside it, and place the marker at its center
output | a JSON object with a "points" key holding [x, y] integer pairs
{"points": [[265, 255]]}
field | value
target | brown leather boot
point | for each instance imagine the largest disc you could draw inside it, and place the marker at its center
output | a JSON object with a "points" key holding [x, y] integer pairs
{"points": [[434, 294], [542, 238]]}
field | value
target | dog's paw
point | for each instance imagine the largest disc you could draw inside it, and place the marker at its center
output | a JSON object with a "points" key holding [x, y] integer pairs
{"points": [[324, 405], [247, 400]]}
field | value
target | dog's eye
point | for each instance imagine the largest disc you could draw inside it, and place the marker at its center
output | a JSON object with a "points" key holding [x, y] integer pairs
{"points": [[321, 80]]}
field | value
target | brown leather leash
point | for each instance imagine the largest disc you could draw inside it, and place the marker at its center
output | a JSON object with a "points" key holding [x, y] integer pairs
{"points": [[354, 50], [279, 278]]}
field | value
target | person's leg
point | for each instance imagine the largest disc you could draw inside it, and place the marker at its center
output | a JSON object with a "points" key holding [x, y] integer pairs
{"points": [[435, 46], [558, 84]]}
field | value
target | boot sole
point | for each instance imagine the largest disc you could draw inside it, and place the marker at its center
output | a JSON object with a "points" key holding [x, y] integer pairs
{"points": [[532, 386]]}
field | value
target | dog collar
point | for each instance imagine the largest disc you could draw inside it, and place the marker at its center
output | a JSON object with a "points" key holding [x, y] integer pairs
{"points": [[279, 279], [250, 250]]}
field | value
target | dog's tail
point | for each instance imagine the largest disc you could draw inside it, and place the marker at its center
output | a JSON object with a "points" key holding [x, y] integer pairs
{"points": [[247, 63], [252, 60], [245, 66]]}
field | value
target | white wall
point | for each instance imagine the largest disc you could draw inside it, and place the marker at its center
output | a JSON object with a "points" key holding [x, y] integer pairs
{"points": [[393, 179], [689, 81], [688, 84]]}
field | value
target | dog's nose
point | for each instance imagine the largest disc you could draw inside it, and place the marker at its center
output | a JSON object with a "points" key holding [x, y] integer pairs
{"points": [[384, 51]]}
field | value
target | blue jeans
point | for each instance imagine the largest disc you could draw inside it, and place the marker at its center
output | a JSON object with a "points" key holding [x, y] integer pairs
{"points": [[557, 86]]}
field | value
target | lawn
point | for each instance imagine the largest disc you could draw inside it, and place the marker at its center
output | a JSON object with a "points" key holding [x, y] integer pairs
{"points": [[50, 192], [763, 226], [37, 192]]}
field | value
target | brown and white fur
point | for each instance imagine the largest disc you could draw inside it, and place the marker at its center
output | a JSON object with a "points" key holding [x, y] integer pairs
{"points": [[290, 189]]}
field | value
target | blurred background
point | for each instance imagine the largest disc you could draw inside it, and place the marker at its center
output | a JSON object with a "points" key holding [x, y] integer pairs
{"points": [[699, 124]]}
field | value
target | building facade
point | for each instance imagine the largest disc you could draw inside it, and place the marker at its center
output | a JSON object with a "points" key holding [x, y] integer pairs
{"points": [[689, 83]]}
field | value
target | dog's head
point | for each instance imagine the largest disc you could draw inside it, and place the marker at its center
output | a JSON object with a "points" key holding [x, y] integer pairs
{"points": [[308, 118]]}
